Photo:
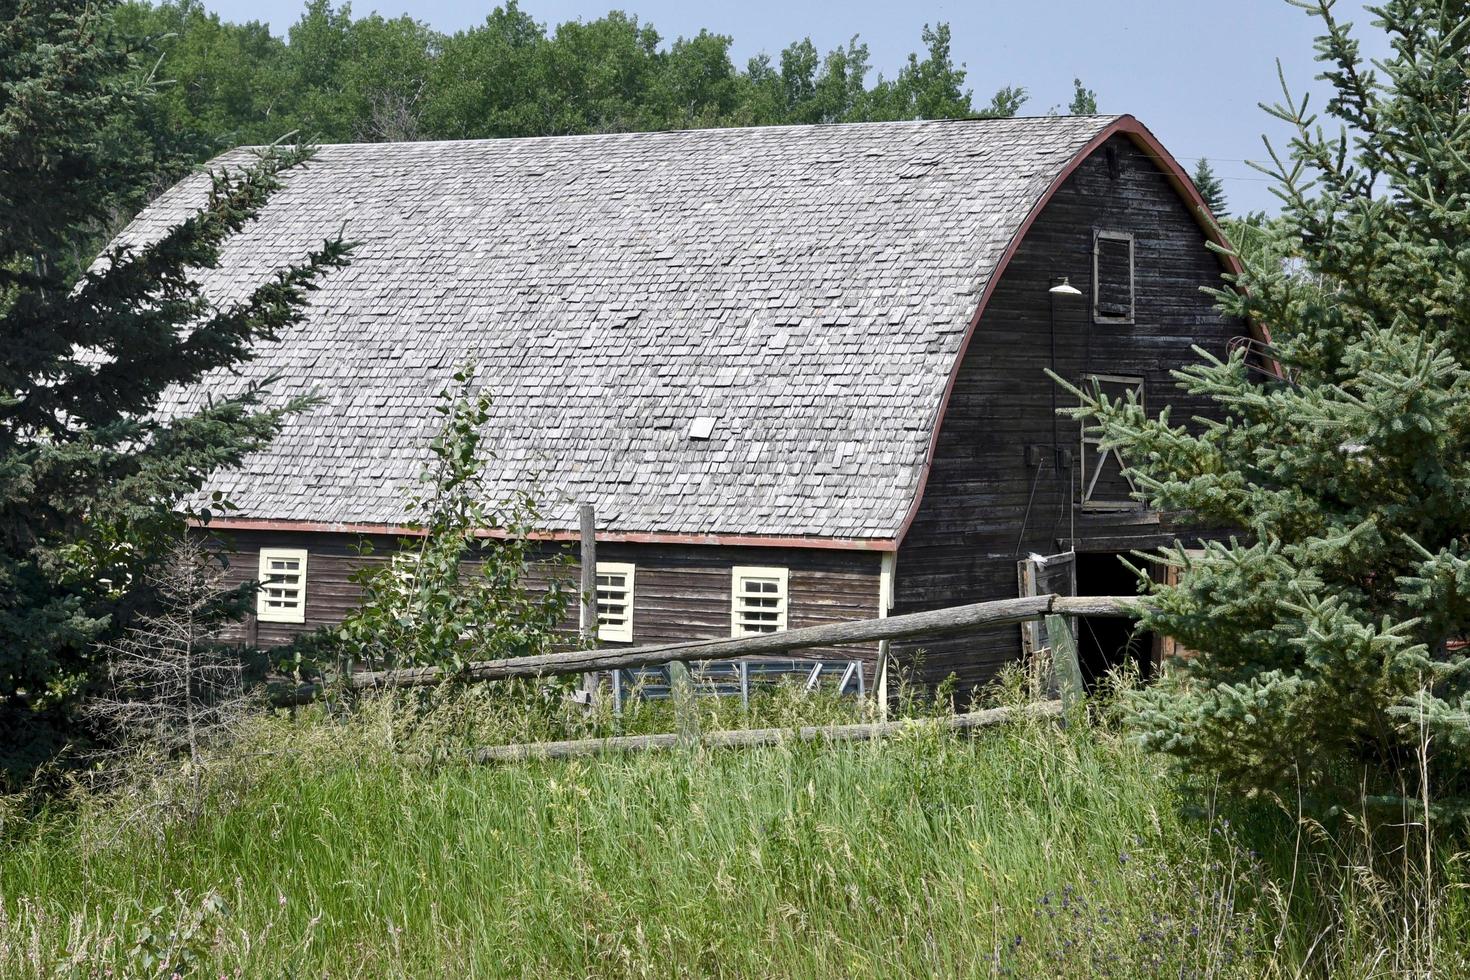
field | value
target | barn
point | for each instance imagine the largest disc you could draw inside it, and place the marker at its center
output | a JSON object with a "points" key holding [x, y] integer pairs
{"points": [[797, 371]]}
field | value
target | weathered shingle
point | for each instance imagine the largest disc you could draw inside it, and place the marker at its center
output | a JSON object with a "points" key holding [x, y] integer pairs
{"points": [[805, 287]]}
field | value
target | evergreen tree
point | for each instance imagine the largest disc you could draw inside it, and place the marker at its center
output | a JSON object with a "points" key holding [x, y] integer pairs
{"points": [[90, 478], [1329, 632], [1210, 188]]}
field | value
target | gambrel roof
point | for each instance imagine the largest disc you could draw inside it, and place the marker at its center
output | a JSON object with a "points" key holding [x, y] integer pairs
{"points": [[808, 288]]}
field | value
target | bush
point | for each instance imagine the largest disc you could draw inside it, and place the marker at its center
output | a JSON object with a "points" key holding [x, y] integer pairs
{"points": [[452, 596]]}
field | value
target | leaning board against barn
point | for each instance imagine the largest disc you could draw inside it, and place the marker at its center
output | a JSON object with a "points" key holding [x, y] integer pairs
{"points": [[796, 370]]}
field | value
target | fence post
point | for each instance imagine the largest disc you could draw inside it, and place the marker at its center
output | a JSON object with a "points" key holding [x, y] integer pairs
{"points": [[1065, 665], [587, 619], [686, 712]]}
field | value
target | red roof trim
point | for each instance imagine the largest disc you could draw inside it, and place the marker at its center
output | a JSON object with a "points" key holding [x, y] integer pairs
{"points": [[1183, 186], [398, 530]]}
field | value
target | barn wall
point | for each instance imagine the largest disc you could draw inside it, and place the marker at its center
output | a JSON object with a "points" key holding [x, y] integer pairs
{"points": [[680, 592], [984, 506]]}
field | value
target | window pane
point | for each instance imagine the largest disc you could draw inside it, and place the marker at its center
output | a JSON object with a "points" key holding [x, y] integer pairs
{"points": [[1114, 278]]}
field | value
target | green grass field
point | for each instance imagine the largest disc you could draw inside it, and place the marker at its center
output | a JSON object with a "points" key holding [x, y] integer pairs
{"points": [[326, 849]]}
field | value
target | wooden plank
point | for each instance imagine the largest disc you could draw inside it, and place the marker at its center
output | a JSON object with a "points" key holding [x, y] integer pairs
{"points": [[1064, 660], [932, 623], [686, 712], [587, 619], [751, 737]]}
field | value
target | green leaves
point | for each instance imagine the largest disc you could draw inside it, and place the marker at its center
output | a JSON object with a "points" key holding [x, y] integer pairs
{"points": [[336, 79], [92, 479], [455, 594]]}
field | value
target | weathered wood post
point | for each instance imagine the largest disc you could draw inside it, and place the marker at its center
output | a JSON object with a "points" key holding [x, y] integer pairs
{"points": [[1065, 665], [588, 618], [686, 712]]}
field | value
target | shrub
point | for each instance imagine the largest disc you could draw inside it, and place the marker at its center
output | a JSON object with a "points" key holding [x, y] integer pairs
{"points": [[451, 595]]}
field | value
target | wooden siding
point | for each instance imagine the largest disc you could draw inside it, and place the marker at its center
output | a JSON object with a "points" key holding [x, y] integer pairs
{"points": [[681, 592], [984, 507]]}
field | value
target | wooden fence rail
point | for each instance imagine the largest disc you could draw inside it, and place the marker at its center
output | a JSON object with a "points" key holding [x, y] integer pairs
{"points": [[752, 737], [921, 625]]}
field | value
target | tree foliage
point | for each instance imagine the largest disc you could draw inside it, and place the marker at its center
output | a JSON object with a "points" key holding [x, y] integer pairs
{"points": [[334, 78], [91, 478], [449, 596], [1084, 100], [1329, 632], [1210, 188]]}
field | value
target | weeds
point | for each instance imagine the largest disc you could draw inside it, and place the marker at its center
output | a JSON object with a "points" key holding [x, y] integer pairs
{"points": [[362, 843]]}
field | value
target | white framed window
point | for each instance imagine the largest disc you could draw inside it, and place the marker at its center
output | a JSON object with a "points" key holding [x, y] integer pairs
{"points": [[1112, 277], [615, 601], [282, 596], [758, 600]]}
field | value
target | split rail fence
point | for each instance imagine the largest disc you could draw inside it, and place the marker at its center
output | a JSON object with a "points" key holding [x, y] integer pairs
{"points": [[910, 626]]}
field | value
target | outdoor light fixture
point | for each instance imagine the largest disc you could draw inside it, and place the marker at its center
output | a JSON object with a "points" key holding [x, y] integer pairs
{"points": [[1062, 288]]}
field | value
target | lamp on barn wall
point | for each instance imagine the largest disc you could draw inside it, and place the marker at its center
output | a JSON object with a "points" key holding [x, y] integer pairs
{"points": [[1061, 290]]}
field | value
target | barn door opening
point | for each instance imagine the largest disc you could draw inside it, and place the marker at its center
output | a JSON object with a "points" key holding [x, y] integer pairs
{"points": [[1105, 642], [1044, 575]]}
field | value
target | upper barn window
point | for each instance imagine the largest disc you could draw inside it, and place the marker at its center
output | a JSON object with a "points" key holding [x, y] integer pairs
{"points": [[1112, 277]]}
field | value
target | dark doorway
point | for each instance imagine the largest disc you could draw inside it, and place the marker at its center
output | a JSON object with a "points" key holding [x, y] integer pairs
{"points": [[1105, 642]]}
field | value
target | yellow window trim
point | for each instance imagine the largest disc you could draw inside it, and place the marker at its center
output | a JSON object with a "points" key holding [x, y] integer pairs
{"points": [[296, 613], [618, 632], [742, 573]]}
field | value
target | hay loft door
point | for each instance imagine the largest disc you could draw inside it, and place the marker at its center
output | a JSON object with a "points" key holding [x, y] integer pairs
{"points": [[1105, 484]]}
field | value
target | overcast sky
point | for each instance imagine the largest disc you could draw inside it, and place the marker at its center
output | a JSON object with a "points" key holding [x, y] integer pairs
{"points": [[1192, 71]]}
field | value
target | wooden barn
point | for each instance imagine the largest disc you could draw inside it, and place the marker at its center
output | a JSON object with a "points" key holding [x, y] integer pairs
{"points": [[798, 371]]}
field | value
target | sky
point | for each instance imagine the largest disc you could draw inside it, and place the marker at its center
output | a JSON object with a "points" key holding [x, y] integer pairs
{"points": [[1193, 71]]}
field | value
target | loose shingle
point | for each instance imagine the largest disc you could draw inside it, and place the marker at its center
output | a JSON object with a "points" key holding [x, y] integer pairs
{"points": [[807, 286]]}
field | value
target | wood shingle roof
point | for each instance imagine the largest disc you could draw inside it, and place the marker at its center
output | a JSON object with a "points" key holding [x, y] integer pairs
{"points": [[807, 288]]}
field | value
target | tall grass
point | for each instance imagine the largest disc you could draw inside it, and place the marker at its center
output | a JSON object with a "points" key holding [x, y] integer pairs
{"points": [[328, 849]]}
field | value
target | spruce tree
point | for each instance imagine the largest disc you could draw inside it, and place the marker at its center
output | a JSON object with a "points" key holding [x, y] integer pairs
{"points": [[91, 478], [1210, 188], [1328, 632]]}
